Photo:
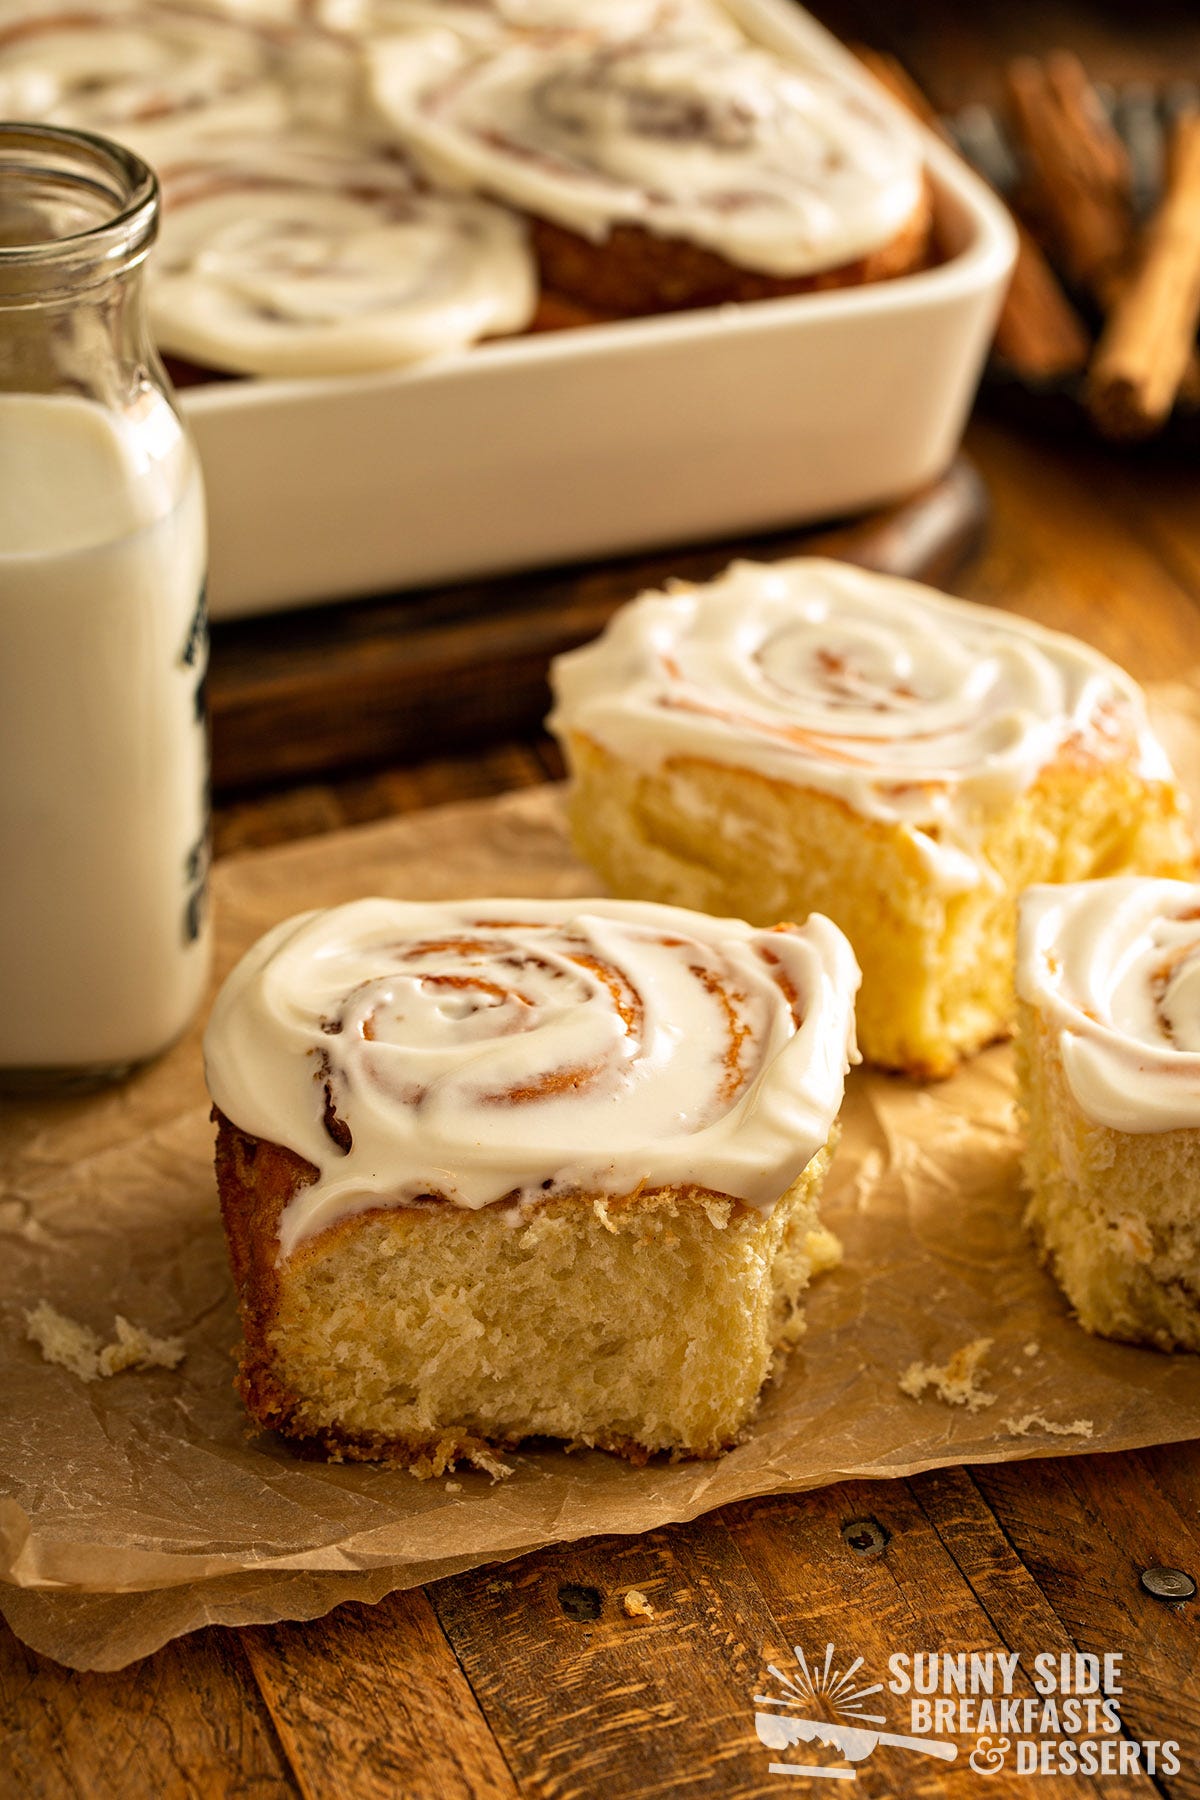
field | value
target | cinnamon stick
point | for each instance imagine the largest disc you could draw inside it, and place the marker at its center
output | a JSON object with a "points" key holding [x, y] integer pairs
{"points": [[1149, 340], [1038, 333], [1078, 169]]}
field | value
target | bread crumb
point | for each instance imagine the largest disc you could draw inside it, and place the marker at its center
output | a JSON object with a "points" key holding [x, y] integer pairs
{"points": [[637, 1605], [77, 1347], [824, 1250], [600, 1208], [453, 1487], [1032, 1348], [491, 1465], [955, 1383], [1038, 1422], [445, 1457]]}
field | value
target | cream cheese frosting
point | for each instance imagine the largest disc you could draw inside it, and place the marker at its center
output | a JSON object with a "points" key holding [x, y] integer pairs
{"points": [[317, 255], [124, 71], [924, 712], [777, 167], [495, 1050], [1114, 968], [492, 22]]}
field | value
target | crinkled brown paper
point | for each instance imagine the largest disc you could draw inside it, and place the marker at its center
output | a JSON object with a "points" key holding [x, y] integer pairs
{"points": [[137, 1508]]}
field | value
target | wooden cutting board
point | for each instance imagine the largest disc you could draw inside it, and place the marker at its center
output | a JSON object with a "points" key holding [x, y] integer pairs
{"points": [[304, 694]]}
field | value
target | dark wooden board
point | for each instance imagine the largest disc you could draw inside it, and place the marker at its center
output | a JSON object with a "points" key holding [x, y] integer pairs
{"points": [[366, 682]]}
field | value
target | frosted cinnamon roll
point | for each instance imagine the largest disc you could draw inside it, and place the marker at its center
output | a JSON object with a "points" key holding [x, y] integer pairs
{"points": [[561, 1160], [491, 23], [1108, 977], [808, 735], [126, 71], [316, 254], [668, 170]]}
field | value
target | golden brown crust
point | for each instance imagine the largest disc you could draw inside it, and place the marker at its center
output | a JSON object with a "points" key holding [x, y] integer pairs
{"points": [[255, 1180], [633, 272]]}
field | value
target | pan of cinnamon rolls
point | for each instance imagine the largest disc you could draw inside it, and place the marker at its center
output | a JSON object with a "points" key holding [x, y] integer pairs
{"points": [[379, 215]]}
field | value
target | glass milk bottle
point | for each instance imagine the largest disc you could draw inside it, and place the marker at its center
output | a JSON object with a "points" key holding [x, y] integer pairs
{"points": [[103, 741]]}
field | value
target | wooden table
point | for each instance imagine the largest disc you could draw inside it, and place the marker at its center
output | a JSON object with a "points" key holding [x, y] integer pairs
{"points": [[530, 1679]]}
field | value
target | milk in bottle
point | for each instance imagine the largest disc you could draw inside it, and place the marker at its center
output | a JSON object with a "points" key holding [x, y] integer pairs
{"points": [[103, 748]]}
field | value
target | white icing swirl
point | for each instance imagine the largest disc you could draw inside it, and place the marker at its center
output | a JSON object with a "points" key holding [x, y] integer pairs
{"points": [[1114, 968], [124, 71], [776, 167], [315, 255], [923, 711], [510, 1049], [489, 23]]}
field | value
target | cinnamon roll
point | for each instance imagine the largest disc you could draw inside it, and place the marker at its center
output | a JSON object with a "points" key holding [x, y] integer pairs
{"points": [[668, 169], [319, 255], [137, 72], [1108, 1057], [506, 1168], [491, 23], [807, 735]]}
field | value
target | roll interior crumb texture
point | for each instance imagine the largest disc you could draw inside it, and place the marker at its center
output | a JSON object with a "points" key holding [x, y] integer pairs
{"points": [[809, 736], [1108, 1060], [502, 1169]]}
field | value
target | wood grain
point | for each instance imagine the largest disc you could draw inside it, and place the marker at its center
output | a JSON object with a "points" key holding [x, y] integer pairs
{"points": [[946, 1580], [376, 1690], [186, 1721], [1085, 1529], [1067, 548], [586, 1700]]}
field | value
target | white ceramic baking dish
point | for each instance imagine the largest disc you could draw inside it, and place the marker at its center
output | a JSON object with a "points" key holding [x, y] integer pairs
{"points": [[611, 437]]}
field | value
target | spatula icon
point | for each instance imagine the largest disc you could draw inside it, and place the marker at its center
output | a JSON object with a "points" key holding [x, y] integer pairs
{"points": [[779, 1731]]}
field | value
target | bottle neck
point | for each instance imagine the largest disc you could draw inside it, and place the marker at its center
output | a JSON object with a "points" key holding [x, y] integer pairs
{"points": [[77, 217]]}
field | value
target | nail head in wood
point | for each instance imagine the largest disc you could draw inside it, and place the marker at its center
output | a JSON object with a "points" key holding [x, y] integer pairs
{"points": [[580, 1602], [1168, 1584], [866, 1537]]}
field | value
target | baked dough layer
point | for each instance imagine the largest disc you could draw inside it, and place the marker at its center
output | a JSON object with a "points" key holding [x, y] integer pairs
{"points": [[937, 964], [421, 1334], [1116, 1213]]}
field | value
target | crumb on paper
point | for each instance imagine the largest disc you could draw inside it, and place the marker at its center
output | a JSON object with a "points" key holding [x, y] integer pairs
{"points": [[637, 1605], [1038, 1422], [453, 1487], [956, 1382], [446, 1456], [77, 1347], [491, 1465], [1032, 1348]]}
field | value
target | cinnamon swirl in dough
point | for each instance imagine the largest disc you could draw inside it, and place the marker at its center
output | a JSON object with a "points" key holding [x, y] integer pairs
{"points": [[808, 736], [508, 1168], [1108, 1057], [669, 169]]}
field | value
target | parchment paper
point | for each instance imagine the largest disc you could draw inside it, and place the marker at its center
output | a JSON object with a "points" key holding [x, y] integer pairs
{"points": [[136, 1508]]}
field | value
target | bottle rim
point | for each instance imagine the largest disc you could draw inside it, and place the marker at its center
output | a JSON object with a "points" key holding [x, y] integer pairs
{"points": [[111, 178]]}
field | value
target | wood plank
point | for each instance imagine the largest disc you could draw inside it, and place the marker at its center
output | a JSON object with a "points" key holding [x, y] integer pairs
{"points": [[1159, 500], [586, 1700], [409, 675], [945, 1580], [1086, 1528], [1062, 552], [279, 815], [184, 1724], [370, 1701]]}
